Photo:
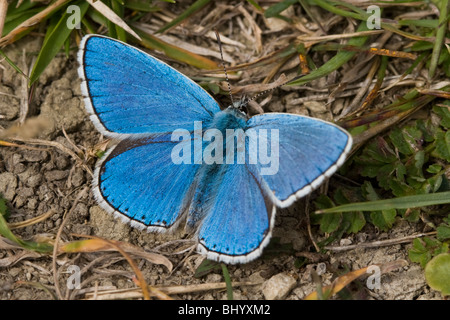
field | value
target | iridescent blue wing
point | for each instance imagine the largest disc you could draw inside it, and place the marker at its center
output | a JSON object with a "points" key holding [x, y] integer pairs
{"points": [[310, 150], [138, 182], [239, 218], [128, 92], [138, 99]]}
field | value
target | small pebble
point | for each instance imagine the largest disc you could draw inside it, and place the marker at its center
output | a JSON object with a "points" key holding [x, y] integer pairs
{"points": [[278, 286]]}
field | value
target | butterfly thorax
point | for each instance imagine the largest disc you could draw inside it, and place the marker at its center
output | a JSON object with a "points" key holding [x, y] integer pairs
{"points": [[230, 118]]}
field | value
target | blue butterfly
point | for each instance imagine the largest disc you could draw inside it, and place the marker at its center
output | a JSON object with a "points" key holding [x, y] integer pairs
{"points": [[152, 179]]}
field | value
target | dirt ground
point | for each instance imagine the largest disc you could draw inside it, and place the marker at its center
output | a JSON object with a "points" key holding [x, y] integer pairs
{"points": [[35, 182]]}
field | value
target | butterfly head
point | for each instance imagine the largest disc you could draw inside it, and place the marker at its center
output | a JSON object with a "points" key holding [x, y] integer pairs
{"points": [[241, 106]]}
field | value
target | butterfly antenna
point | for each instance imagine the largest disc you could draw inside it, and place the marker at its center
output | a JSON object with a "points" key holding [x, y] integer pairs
{"points": [[271, 89], [223, 64]]}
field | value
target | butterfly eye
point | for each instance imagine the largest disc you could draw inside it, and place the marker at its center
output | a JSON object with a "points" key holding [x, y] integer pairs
{"points": [[244, 109]]}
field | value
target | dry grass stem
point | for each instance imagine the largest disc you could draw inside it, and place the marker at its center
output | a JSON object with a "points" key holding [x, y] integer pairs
{"points": [[381, 243]]}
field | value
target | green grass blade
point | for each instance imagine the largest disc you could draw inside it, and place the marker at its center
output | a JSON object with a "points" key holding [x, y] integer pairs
{"points": [[275, 9], [440, 37], [12, 64], [96, 17], [25, 7], [362, 15], [13, 20], [29, 245], [54, 42], [256, 5], [3, 208], [207, 266], [420, 200], [227, 278], [419, 23], [89, 27], [52, 23], [112, 32], [119, 10], [26, 26], [330, 6], [196, 6], [336, 62]]}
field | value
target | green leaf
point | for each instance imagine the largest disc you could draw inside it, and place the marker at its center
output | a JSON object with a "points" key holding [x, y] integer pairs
{"points": [[414, 167], [384, 175], [443, 232], [419, 253], [330, 222], [444, 114], [369, 191], [399, 141], [399, 188], [370, 171], [412, 135], [425, 248], [356, 220], [427, 129], [383, 219], [54, 42], [447, 220], [378, 152], [442, 145], [437, 273], [433, 184], [419, 158], [400, 171], [434, 168], [412, 215]]}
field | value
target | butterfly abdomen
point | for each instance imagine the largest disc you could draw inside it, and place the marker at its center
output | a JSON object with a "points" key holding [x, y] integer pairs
{"points": [[218, 152]]}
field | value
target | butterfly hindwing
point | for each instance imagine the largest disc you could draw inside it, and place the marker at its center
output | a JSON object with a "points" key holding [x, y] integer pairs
{"points": [[309, 150], [138, 182], [240, 219], [129, 92]]}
